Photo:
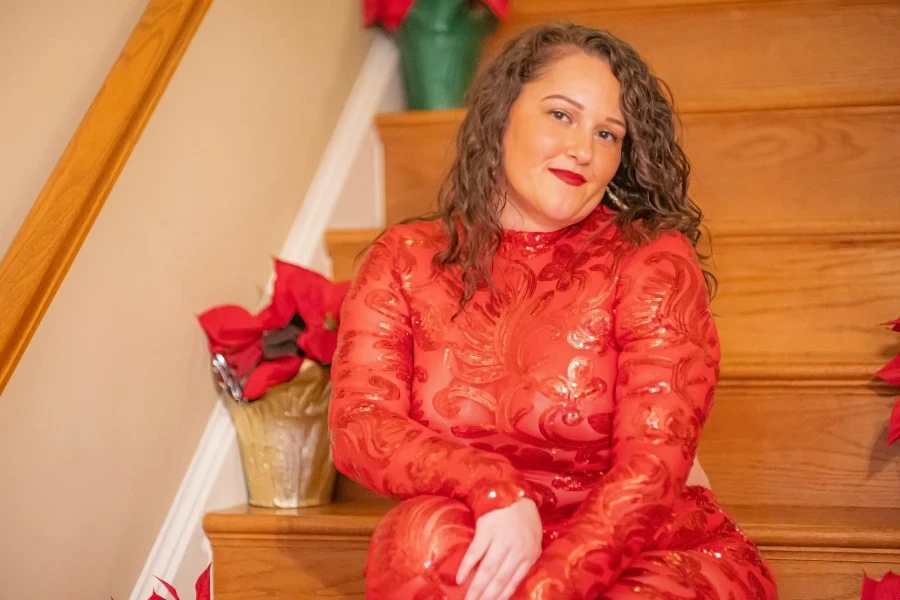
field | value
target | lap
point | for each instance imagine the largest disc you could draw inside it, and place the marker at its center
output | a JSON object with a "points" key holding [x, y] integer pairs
{"points": [[698, 553], [734, 570]]}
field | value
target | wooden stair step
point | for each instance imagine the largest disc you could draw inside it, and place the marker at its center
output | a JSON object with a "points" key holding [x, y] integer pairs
{"points": [[526, 8], [830, 166], [807, 526], [796, 419], [789, 306], [816, 553], [812, 446], [740, 55]]}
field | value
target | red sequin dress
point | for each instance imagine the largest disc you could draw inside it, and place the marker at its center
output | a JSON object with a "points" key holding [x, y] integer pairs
{"points": [[582, 383]]}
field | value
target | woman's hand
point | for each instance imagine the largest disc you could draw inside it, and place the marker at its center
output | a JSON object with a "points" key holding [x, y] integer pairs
{"points": [[507, 543]]}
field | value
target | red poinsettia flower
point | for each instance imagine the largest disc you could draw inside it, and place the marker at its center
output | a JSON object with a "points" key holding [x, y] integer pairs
{"points": [[391, 13], [886, 589], [891, 374], [235, 334], [201, 588], [316, 300], [304, 302], [891, 371], [894, 428]]}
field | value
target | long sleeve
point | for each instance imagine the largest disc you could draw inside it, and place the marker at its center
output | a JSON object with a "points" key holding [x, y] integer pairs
{"points": [[375, 441], [667, 370]]}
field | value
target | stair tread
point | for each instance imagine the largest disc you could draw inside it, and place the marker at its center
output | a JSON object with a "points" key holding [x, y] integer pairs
{"points": [[800, 526]]}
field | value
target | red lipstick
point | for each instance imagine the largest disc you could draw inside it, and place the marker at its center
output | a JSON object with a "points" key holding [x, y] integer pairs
{"points": [[569, 177]]}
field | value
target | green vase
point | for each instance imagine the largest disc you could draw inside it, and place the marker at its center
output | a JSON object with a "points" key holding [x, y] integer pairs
{"points": [[440, 43]]}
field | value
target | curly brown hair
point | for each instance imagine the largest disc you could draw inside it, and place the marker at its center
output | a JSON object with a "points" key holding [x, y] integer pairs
{"points": [[652, 179]]}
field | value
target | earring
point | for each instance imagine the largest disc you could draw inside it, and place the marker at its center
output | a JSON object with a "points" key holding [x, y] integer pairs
{"points": [[615, 199]]}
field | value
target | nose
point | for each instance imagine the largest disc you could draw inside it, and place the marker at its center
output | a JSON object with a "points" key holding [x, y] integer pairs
{"points": [[580, 146]]}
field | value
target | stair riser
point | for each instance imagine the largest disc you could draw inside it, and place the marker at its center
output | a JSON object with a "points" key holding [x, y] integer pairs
{"points": [[826, 574], [830, 166], [289, 568], [812, 446], [522, 8], [295, 569], [810, 300], [742, 55]]}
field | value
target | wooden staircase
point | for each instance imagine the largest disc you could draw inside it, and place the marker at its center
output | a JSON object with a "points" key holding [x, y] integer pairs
{"points": [[791, 114]]}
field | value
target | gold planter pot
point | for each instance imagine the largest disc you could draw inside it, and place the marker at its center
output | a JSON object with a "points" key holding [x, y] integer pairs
{"points": [[284, 442]]}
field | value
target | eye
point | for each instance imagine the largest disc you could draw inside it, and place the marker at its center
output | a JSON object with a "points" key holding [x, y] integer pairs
{"points": [[560, 115], [607, 135]]}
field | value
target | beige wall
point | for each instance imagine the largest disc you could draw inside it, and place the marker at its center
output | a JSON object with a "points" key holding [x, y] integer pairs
{"points": [[54, 55], [100, 420]]}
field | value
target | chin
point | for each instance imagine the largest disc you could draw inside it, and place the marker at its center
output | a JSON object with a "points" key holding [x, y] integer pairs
{"points": [[565, 214]]}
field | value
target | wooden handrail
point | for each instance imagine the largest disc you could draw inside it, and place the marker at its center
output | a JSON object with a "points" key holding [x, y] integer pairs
{"points": [[43, 250]]}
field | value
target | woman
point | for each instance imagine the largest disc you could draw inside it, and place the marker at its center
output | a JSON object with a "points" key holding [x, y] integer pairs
{"points": [[531, 371]]}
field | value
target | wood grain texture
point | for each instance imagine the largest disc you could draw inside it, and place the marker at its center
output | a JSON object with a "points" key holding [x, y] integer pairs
{"points": [[734, 56], [790, 308], [826, 575], [828, 166], [46, 244], [807, 300], [340, 519], [802, 446], [811, 527], [570, 8], [265, 553], [287, 569], [821, 528], [418, 151]]}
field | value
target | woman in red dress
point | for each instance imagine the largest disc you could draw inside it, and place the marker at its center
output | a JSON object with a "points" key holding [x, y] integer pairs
{"points": [[530, 371]]}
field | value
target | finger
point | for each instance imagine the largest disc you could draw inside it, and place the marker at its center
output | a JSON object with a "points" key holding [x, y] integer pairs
{"points": [[501, 577], [513, 584], [491, 564], [476, 550]]}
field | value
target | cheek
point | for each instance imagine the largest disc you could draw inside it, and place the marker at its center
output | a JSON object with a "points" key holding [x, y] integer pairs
{"points": [[520, 162], [546, 145], [546, 141], [608, 164], [530, 149]]}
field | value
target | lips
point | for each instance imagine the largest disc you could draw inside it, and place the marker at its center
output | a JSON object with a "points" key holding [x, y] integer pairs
{"points": [[569, 177]]}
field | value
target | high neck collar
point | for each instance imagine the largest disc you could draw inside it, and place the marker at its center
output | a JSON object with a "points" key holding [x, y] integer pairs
{"points": [[530, 243]]}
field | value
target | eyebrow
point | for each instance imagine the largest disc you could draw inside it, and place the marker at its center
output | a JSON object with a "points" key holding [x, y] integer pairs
{"points": [[580, 106]]}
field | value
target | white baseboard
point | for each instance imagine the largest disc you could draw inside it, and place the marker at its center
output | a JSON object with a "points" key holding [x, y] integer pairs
{"points": [[214, 479]]}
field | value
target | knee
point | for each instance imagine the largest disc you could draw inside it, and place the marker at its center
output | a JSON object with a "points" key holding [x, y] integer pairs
{"points": [[426, 524], [424, 536]]}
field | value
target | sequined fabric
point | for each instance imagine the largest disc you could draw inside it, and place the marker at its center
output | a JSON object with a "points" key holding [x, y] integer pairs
{"points": [[581, 381]]}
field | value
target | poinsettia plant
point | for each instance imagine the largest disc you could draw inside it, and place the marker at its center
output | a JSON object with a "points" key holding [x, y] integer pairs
{"points": [[201, 588], [891, 374], [886, 589], [252, 353], [391, 13]]}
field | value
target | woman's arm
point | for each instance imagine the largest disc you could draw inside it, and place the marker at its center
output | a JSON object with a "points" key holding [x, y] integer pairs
{"points": [[668, 368], [374, 440]]}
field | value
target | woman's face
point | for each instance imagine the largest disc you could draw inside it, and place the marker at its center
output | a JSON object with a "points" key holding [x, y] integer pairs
{"points": [[563, 144]]}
